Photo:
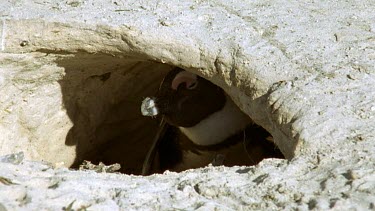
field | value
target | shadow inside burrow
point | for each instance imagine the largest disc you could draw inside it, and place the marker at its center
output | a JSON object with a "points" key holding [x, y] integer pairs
{"points": [[102, 95]]}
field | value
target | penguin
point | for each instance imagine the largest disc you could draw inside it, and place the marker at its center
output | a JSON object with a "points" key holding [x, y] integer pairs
{"points": [[201, 125]]}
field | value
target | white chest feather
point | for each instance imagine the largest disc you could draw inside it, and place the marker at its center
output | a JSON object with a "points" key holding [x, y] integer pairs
{"points": [[218, 126]]}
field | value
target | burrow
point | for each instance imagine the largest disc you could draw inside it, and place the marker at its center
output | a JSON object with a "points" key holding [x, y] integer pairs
{"points": [[102, 95]]}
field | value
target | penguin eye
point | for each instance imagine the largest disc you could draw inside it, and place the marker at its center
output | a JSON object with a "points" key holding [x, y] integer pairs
{"points": [[189, 80], [192, 85]]}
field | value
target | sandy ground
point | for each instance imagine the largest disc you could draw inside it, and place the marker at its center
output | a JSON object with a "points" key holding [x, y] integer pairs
{"points": [[273, 184], [303, 70]]}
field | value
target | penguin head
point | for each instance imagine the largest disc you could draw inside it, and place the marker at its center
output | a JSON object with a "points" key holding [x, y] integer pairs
{"points": [[185, 99]]}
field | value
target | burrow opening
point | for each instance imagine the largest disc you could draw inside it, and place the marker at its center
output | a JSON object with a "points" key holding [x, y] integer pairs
{"points": [[102, 95]]}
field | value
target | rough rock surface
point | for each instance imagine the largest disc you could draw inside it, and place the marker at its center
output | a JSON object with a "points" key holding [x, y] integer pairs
{"points": [[72, 74]]}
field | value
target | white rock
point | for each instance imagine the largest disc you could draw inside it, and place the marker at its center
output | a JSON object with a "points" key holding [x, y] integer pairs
{"points": [[304, 71]]}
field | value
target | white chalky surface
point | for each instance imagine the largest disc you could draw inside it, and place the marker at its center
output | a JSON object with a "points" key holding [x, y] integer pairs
{"points": [[304, 70]]}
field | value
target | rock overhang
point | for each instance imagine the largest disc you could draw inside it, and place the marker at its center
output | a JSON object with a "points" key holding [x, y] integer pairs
{"points": [[308, 84], [85, 59]]}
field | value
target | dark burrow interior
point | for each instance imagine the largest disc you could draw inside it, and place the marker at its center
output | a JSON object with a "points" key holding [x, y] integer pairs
{"points": [[102, 95]]}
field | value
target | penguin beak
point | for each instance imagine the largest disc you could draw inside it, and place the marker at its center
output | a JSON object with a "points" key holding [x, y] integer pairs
{"points": [[153, 106], [148, 107]]}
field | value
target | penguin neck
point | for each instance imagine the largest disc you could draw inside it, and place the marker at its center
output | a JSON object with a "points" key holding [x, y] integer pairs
{"points": [[218, 126]]}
